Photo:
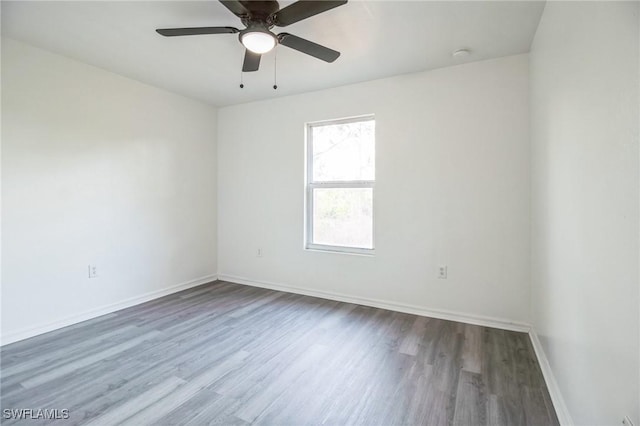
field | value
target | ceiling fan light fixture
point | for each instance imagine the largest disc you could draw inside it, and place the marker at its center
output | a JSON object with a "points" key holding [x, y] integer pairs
{"points": [[258, 41], [259, 17]]}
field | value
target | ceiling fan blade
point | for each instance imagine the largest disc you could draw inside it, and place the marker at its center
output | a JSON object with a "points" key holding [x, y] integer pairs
{"points": [[172, 32], [303, 9], [251, 61], [308, 47], [236, 7]]}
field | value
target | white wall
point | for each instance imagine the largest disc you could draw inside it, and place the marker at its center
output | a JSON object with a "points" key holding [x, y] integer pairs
{"points": [[97, 168], [452, 187], [585, 186]]}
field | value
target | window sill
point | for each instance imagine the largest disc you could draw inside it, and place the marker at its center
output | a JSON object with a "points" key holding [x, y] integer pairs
{"points": [[341, 250]]}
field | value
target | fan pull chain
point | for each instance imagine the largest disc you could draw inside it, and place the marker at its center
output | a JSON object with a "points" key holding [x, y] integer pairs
{"points": [[275, 68], [241, 73]]}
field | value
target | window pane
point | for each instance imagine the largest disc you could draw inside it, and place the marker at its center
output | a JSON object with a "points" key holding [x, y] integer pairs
{"points": [[343, 217], [344, 151]]}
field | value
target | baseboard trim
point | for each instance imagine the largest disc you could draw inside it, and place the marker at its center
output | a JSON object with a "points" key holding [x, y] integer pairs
{"points": [[383, 304], [25, 333], [552, 385]]}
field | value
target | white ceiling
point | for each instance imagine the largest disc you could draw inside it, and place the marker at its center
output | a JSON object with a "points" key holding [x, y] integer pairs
{"points": [[376, 38]]}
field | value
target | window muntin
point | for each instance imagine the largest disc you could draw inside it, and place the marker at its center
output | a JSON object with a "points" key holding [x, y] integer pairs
{"points": [[340, 185]]}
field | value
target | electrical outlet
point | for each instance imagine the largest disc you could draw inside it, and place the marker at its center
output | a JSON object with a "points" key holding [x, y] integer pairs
{"points": [[627, 421], [442, 272], [259, 252], [93, 271]]}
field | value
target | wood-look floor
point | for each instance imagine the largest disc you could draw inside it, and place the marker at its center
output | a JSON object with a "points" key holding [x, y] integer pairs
{"points": [[224, 353]]}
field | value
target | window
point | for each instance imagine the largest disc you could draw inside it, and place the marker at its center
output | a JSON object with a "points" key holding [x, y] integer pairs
{"points": [[340, 181]]}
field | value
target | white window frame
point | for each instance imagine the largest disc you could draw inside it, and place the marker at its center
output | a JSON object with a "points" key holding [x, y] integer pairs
{"points": [[310, 185]]}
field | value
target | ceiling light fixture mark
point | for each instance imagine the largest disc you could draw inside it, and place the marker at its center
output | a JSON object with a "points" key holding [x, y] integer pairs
{"points": [[461, 53]]}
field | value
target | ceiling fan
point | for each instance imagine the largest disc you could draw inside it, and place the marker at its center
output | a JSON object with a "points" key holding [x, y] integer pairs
{"points": [[259, 16]]}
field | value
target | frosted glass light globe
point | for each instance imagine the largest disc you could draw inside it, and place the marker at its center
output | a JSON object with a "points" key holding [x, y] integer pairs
{"points": [[258, 41]]}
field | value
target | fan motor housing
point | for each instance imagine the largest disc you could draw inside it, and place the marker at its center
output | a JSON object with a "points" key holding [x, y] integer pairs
{"points": [[259, 11]]}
